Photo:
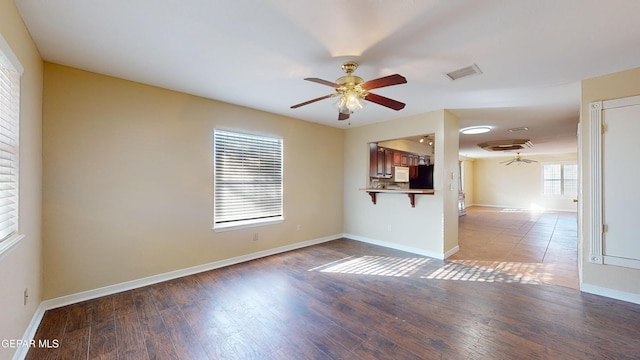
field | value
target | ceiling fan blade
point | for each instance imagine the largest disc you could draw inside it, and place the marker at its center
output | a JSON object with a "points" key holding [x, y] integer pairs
{"points": [[312, 101], [528, 161], [385, 101], [394, 79], [343, 116], [323, 82]]}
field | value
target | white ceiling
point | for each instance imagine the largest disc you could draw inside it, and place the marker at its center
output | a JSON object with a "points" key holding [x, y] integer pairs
{"points": [[533, 54]]}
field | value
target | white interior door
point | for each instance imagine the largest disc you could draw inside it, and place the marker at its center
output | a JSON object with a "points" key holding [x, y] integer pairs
{"points": [[620, 176]]}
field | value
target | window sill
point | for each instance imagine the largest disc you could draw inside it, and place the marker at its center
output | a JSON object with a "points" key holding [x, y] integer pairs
{"points": [[558, 197], [7, 245], [247, 224]]}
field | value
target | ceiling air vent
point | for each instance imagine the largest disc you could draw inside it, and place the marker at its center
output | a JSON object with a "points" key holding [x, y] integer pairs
{"points": [[506, 145], [464, 72]]}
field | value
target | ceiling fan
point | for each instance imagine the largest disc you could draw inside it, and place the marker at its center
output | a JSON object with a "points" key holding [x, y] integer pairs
{"points": [[518, 160], [352, 90]]}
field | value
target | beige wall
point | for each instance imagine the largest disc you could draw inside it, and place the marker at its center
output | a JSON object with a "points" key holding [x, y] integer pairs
{"points": [[468, 180], [421, 229], [448, 145], [614, 278], [128, 181], [517, 185], [20, 268]]}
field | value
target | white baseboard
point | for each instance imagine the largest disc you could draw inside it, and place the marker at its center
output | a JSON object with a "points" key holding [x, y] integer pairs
{"points": [[452, 251], [30, 332], [518, 207], [134, 284], [610, 293], [396, 246]]}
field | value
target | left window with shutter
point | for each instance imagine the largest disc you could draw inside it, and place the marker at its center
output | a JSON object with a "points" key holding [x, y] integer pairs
{"points": [[10, 73], [248, 184]]}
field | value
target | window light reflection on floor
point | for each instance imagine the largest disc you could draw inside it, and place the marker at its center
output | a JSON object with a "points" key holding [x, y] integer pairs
{"points": [[492, 271], [457, 270], [374, 265], [534, 208]]}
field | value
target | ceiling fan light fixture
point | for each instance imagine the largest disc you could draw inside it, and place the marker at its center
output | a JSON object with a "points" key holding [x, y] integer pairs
{"points": [[473, 130], [349, 103], [352, 91]]}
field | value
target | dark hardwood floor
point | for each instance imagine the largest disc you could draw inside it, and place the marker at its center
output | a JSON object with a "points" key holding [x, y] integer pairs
{"points": [[344, 300]]}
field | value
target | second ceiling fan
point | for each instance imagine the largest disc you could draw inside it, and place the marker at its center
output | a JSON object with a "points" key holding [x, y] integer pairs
{"points": [[352, 90], [518, 160]]}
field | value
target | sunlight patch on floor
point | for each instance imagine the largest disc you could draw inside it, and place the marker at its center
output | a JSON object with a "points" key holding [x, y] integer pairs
{"points": [[492, 271], [457, 270], [534, 209], [374, 265]]}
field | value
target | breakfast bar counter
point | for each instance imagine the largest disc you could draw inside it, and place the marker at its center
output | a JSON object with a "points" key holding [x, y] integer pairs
{"points": [[410, 192]]}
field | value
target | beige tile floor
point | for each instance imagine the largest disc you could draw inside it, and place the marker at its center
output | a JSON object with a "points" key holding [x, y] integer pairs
{"points": [[542, 244]]}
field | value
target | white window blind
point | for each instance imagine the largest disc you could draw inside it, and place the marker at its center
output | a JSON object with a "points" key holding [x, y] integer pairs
{"points": [[552, 179], [560, 180], [570, 180], [247, 179], [9, 125]]}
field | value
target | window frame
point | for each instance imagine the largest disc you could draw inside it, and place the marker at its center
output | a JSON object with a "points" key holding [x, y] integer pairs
{"points": [[10, 63], [563, 193], [273, 168]]}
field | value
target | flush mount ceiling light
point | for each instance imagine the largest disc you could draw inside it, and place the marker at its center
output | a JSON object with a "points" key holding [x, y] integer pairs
{"points": [[472, 130]]}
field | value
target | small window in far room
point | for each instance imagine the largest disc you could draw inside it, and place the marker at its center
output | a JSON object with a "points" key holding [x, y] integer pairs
{"points": [[560, 180], [248, 182], [10, 72]]}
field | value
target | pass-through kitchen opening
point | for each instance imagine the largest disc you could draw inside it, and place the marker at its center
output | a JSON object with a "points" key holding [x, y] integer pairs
{"points": [[402, 164]]}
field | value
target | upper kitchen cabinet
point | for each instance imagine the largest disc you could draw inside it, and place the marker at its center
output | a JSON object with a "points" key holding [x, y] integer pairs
{"points": [[380, 161]]}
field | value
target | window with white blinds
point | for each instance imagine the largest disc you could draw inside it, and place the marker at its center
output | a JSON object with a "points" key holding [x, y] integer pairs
{"points": [[9, 125], [247, 179], [560, 180]]}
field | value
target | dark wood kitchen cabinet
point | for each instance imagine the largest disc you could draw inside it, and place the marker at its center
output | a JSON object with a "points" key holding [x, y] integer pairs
{"points": [[388, 163], [380, 162], [414, 160], [401, 158], [404, 159], [397, 158]]}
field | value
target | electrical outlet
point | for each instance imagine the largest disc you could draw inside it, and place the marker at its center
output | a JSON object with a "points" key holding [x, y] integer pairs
{"points": [[389, 228], [25, 296], [255, 236], [298, 227]]}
